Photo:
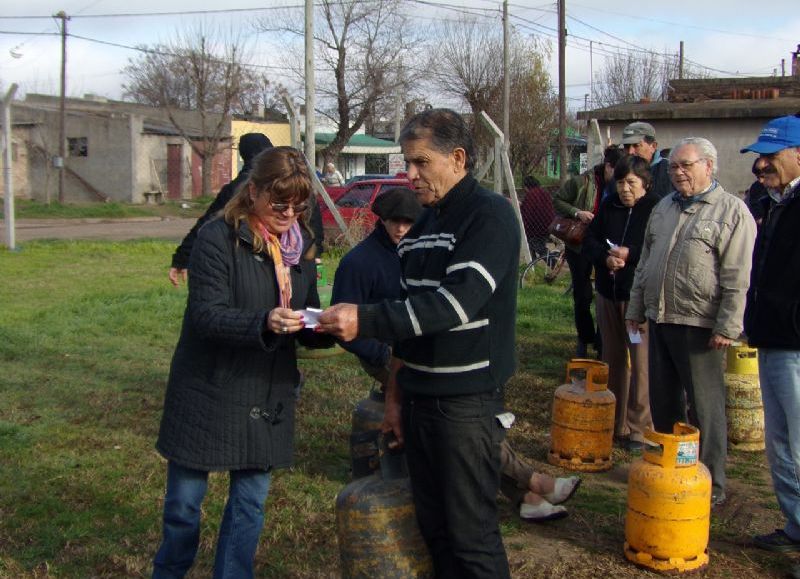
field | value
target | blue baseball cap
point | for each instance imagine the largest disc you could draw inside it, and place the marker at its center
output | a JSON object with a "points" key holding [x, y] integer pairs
{"points": [[778, 134]]}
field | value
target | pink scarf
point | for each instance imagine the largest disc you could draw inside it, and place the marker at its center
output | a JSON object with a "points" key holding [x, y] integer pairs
{"points": [[284, 253]]}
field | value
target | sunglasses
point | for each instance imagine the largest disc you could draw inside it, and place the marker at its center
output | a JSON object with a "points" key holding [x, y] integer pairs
{"points": [[284, 207]]}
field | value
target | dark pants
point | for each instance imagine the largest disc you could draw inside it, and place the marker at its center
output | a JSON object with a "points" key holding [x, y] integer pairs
{"points": [[580, 269], [453, 454], [686, 376]]}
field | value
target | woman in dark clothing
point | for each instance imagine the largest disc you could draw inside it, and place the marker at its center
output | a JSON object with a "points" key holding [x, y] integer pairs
{"points": [[613, 244], [230, 399]]}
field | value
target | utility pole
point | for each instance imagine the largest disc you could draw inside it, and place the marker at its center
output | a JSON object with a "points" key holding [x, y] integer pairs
{"points": [[591, 74], [8, 180], [562, 88], [310, 148], [506, 81], [680, 61], [62, 137]]}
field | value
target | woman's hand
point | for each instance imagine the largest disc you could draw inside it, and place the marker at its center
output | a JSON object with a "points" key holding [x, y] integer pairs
{"points": [[614, 263], [585, 216], [284, 321], [620, 252]]}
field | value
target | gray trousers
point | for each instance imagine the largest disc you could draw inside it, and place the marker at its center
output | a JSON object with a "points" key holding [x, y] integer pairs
{"points": [[687, 377]]}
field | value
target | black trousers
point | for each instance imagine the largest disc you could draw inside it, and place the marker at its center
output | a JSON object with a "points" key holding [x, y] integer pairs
{"points": [[453, 454], [580, 268], [687, 381]]}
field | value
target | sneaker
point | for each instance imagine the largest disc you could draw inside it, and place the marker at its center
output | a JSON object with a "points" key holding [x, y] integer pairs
{"points": [[778, 542], [563, 490], [717, 500], [542, 512]]}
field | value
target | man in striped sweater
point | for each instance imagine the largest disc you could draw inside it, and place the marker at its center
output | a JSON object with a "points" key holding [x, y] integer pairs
{"points": [[454, 336]]}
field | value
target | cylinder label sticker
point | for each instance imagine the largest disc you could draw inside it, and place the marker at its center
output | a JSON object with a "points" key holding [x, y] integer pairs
{"points": [[687, 453]]}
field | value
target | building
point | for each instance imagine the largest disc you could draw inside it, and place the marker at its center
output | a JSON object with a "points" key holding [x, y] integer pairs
{"points": [[730, 112], [119, 151]]}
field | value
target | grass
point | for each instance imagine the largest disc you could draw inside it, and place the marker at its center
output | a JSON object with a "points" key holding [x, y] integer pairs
{"points": [[29, 209], [87, 330]]}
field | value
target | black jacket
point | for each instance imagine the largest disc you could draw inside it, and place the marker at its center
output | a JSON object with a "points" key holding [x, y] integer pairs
{"points": [[622, 226], [456, 328], [772, 314], [230, 397], [662, 184]]}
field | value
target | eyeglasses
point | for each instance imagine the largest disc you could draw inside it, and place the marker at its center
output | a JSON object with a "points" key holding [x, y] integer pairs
{"points": [[683, 165], [284, 207]]}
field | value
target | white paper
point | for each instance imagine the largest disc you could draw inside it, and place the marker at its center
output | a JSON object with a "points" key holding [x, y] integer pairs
{"points": [[635, 337], [310, 317], [506, 419]]}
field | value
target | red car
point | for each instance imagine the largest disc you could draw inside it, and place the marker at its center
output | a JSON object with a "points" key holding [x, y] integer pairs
{"points": [[356, 200]]}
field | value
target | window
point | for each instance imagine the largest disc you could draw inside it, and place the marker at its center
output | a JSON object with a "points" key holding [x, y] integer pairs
{"points": [[358, 196], [78, 147]]}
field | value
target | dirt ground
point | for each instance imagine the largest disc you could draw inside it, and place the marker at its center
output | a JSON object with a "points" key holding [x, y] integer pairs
{"points": [[172, 228]]}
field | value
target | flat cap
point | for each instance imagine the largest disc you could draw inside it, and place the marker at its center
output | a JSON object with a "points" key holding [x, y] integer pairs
{"points": [[397, 203]]}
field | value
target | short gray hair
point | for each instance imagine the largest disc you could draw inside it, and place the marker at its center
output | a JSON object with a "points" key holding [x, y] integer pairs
{"points": [[704, 147]]}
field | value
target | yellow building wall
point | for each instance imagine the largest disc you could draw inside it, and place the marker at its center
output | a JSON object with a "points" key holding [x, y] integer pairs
{"points": [[278, 133]]}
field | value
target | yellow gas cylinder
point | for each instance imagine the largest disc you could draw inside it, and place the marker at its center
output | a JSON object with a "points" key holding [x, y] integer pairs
{"points": [[376, 526], [582, 430], [744, 408], [669, 503]]}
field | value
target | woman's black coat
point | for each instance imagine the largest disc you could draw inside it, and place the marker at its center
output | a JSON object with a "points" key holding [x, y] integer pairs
{"points": [[230, 398], [622, 226]]}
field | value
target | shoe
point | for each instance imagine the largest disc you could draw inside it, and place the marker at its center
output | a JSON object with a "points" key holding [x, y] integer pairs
{"points": [[581, 351], [778, 542], [563, 490], [717, 500], [542, 512], [634, 446]]}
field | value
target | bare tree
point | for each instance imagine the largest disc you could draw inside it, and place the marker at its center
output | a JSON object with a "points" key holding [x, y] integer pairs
{"points": [[199, 71], [469, 67], [629, 77], [359, 46]]}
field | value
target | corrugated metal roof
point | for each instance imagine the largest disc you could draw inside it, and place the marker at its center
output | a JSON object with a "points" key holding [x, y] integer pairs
{"points": [[710, 109]]}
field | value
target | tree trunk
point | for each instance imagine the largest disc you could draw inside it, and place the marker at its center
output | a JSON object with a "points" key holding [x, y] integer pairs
{"points": [[207, 168]]}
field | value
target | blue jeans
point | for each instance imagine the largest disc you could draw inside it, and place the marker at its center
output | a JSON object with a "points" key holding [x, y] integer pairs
{"points": [[779, 372], [453, 454], [238, 534]]}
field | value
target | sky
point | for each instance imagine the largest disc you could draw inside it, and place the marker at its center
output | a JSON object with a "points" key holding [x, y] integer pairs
{"points": [[730, 38]]}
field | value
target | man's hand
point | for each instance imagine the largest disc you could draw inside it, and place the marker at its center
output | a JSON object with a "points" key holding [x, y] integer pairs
{"points": [[585, 216], [393, 405], [176, 275], [634, 327], [341, 321], [717, 342]]}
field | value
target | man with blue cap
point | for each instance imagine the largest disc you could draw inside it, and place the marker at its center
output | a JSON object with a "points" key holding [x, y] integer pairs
{"points": [[772, 324]]}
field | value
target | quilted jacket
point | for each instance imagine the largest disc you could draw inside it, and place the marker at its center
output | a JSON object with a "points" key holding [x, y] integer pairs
{"points": [[230, 397]]}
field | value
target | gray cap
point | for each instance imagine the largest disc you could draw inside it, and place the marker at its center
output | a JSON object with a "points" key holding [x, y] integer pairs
{"points": [[635, 132]]}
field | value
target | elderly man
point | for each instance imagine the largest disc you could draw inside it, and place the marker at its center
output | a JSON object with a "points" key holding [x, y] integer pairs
{"points": [[690, 286], [454, 337], [639, 139], [772, 322]]}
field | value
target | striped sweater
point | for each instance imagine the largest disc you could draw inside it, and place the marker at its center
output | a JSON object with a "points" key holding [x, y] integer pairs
{"points": [[455, 329]]}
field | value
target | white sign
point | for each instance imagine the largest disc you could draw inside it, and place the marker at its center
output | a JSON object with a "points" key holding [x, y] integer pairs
{"points": [[397, 163], [584, 162]]}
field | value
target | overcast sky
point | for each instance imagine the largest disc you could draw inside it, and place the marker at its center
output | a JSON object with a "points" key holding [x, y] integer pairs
{"points": [[730, 37]]}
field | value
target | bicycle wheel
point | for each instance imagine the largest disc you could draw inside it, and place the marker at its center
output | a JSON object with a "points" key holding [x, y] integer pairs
{"points": [[533, 270]]}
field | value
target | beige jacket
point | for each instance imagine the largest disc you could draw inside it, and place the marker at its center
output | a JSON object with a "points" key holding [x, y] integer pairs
{"points": [[695, 264]]}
